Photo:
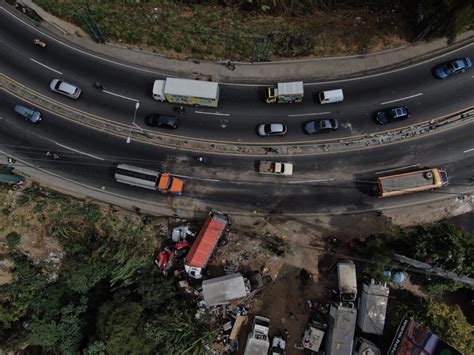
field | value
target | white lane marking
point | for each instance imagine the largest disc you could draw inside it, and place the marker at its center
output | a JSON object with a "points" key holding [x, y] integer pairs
{"points": [[469, 150], [308, 181], [213, 113], [309, 114], [121, 96], [78, 151], [224, 83], [44, 65], [402, 167], [195, 178], [403, 98]]}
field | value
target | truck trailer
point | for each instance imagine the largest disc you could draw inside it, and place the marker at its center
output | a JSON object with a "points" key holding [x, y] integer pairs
{"points": [[414, 181], [187, 92], [213, 228], [285, 93]]}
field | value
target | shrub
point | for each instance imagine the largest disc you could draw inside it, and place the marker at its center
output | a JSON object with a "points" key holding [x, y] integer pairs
{"points": [[13, 239]]}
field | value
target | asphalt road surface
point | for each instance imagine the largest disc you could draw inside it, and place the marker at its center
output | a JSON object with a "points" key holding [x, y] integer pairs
{"points": [[326, 183]]}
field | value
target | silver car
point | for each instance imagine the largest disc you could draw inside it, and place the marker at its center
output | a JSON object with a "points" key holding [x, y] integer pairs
{"points": [[28, 113], [271, 129], [64, 88]]}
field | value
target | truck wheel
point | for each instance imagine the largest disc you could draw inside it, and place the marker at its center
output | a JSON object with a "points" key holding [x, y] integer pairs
{"points": [[428, 175]]}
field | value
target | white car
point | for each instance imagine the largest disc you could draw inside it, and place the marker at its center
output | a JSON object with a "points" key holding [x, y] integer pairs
{"points": [[271, 129], [64, 88]]}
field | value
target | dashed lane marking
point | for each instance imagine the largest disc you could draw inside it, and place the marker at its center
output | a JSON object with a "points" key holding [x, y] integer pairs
{"points": [[309, 114], [403, 98], [121, 96], [213, 113], [44, 65]]}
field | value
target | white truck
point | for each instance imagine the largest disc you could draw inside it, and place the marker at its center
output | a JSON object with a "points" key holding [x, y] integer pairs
{"points": [[347, 281], [257, 341], [275, 168], [285, 93], [187, 92]]}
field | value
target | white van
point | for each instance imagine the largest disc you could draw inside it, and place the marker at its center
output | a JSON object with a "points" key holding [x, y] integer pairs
{"points": [[331, 96]]}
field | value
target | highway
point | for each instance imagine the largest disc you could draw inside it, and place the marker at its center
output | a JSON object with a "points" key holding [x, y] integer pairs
{"points": [[324, 183]]}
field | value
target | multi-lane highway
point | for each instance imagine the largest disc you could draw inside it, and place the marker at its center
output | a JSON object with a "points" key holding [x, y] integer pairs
{"points": [[322, 183]]}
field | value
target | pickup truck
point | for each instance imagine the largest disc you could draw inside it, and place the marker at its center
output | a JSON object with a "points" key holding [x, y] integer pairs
{"points": [[276, 168]]}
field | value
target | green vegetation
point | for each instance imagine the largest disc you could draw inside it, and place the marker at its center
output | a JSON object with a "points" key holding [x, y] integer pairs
{"points": [[287, 29], [442, 245], [448, 322], [190, 29], [13, 239], [107, 296]]}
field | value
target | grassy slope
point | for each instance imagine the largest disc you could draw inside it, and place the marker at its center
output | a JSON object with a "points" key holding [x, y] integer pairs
{"points": [[202, 31]]}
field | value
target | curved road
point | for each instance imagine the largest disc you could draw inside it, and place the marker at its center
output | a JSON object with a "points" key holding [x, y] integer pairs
{"points": [[325, 183]]}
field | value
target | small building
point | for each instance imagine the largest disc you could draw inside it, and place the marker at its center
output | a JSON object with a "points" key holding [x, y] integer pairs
{"points": [[341, 329], [363, 346], [222, 290], [372, 308]]}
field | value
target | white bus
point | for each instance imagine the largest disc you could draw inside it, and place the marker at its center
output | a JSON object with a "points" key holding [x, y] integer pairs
{"points": [[148, 179]]}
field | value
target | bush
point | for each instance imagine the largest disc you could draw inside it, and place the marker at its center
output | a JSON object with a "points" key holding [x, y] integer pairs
{"points": [[13, 239]]}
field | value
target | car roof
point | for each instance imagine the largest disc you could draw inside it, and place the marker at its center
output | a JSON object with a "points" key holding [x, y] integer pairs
{"points": [[66, 87], [277, 126], [166, 119]]}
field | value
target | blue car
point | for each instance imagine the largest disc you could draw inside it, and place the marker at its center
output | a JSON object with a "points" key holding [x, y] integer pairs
{"points": [[456, 66]]}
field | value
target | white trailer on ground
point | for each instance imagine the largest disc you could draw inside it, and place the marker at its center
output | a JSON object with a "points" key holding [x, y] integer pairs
{"points": [[187, 92]]}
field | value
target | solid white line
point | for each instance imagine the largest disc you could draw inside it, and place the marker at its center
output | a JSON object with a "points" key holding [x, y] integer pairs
{"points": [[469, 150], [307, 181], [78, 151], [56, 71], [118, 95], [310, 114], [195, 178], [213, 113], [402, 167], [403, 98]]}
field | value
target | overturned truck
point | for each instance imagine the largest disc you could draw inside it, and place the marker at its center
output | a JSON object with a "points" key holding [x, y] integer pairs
{"points": [[212, 230]]}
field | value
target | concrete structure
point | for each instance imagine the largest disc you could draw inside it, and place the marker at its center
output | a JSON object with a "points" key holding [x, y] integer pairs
{"points": [[221, 290]]}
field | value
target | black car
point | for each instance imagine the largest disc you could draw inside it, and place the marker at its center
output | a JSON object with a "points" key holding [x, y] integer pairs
{"points": [[320, 126], [392, 115], [155, 120]]}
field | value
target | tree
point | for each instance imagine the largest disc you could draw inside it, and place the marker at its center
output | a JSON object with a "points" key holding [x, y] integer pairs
{"points": [[451, 325]]}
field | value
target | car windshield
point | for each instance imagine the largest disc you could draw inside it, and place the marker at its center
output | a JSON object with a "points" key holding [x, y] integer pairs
{"points": [[325, 124], [29, 113], [448, 68]]}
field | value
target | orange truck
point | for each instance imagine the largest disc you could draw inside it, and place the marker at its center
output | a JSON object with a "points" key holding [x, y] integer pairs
{"points": [[149, 179], [212, 230], [414, 181]]}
